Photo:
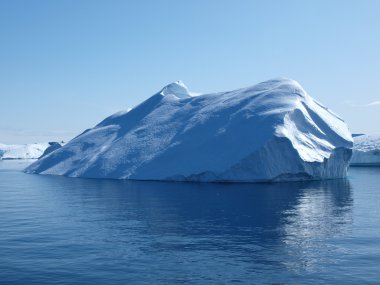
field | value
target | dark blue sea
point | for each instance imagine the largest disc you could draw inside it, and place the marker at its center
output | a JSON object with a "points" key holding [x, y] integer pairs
{"points": [[57, 230]]}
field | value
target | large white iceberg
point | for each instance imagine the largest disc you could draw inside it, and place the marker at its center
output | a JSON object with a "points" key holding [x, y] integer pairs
{"points": [[273, 131], [366, 150], [22, 151]]}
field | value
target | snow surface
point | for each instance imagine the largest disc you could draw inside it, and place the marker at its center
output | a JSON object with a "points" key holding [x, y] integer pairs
{"points": [[273, 131], [366, 150], [23, 151]]}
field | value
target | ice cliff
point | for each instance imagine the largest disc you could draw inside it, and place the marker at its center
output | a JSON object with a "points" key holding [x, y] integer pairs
{"points": [[366, 150], [272, 131]]}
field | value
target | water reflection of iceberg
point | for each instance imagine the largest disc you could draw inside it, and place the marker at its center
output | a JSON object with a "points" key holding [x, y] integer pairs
{"points": [[322, 209], [265, 211], [276, 230], [276, 225], [291, 209], [322, 213]]}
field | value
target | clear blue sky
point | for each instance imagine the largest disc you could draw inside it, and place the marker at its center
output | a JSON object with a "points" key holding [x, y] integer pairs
{"points": [[65, 65]]}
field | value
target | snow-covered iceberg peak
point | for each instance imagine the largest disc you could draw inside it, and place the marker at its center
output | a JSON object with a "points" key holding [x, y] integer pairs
{"points": [[272, 131], [177, 88]]}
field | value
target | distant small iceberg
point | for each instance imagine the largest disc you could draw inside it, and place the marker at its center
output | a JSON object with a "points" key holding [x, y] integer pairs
{"points": [[366, 151], [22, 151]]}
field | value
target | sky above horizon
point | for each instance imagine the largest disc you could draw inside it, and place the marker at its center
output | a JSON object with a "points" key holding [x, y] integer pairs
{"points": [[66, 65]]}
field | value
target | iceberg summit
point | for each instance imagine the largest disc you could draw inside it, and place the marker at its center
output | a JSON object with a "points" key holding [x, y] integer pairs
{"points": [[272, 131]]}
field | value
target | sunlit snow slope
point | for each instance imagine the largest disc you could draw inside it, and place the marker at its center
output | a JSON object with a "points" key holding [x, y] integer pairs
{"points": [[273, 131]]}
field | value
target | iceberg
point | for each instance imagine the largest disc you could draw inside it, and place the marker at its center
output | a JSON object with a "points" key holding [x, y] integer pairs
{"points": [[366, 150], [272, 131], [22, 151]]}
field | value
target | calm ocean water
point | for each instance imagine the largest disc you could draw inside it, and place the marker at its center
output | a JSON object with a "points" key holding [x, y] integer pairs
{"points": [[57, 230]]}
